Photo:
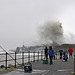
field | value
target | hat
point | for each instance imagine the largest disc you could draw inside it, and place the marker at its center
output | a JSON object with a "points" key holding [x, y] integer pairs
{"points": [[50, 47]]}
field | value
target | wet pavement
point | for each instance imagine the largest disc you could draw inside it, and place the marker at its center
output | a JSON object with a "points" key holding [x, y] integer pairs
{"points": [[21, 72], [58, 67], [64, 72]]}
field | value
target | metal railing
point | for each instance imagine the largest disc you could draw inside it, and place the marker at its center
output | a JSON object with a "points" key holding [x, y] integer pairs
{"points": [[20, 58]]}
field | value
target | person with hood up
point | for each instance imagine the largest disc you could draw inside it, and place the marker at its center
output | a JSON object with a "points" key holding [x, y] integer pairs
{"points": [[65, 57], [70, 50], [51, 53]]}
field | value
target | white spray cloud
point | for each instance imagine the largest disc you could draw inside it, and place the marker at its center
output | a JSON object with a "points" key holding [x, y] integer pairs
{"points": [[52, 31]]}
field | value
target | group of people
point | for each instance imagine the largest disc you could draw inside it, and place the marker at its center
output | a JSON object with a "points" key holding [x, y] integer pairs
{"points": [[51, 53], [70, 50]]}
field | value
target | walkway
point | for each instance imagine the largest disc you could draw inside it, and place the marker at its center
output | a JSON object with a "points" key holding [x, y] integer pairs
{"points": [[58, 67]]}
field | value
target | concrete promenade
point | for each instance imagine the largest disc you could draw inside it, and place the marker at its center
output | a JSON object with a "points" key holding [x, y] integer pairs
{"points": [[58, 67]]}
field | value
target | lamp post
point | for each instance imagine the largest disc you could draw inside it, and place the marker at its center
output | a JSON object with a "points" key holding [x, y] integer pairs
{"points": [[74, 64]]}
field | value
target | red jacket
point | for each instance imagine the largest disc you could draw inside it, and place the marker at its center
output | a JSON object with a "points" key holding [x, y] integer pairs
{"points": [[70, 50]]}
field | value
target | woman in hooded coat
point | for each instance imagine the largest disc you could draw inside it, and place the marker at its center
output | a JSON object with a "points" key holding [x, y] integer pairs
{"points": [[70, 50], [51, 53]]}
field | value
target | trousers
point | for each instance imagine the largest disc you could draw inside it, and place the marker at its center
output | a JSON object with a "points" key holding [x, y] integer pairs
{"points": [[51, 59]]}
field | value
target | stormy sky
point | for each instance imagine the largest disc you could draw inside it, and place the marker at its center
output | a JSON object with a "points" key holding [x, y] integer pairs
{"points": [[19, 20]]}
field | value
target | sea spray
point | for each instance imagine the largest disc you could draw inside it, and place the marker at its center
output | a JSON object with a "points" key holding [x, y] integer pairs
{"points": [[51, 32]]}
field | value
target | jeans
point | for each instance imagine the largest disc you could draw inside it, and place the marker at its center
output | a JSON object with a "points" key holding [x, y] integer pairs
{"points": [[51, 59]]}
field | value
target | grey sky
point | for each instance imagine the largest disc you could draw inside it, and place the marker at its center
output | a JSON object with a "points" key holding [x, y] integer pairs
{"points": [[19, 19]]}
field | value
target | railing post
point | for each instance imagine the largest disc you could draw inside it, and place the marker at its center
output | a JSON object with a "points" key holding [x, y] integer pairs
{"points": [[6, 60], [44, 54], [34, 56], [56, 54], [38, 55], [22, 58], [15, 59], [74, 64], [41, 55], [28, 56]]}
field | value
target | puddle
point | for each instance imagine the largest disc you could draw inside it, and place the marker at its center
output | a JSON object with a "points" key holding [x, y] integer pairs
{"points": [[61, 70], [39, 71]]}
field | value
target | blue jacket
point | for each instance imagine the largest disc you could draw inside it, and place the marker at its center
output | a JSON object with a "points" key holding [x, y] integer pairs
{"points": [[51, 52], [65, 55]]}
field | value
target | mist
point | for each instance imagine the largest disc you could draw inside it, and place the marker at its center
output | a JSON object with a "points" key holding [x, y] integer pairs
{"points": [[53, 32], [69, 37]]}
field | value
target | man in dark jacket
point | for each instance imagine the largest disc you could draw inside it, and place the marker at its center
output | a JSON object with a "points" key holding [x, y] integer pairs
{"points": [[50, 53], [61, 53], [46, 52]]}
